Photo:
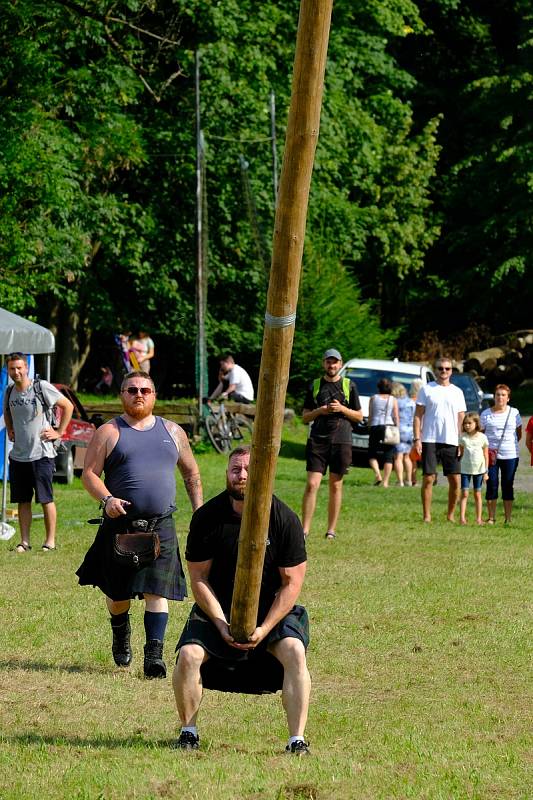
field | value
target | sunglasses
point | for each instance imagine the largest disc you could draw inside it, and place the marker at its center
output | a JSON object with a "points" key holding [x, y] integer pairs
{"points": [[138, 389], [444, 369]]}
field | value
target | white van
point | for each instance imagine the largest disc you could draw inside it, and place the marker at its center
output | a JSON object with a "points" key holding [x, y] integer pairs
{"points": [[366, 373]]}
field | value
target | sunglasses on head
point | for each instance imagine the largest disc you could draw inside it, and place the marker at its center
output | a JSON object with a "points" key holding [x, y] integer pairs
{"points": [[13, 356], [137, 389]]}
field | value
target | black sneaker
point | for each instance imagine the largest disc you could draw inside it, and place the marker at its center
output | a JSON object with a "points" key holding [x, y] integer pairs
{"points": [[298, 748], [154, 666], [188, 741], [121, 647]]}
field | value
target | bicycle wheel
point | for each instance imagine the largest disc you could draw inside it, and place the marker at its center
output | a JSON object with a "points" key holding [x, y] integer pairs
{"points": [[241, 430], [220, 442]]}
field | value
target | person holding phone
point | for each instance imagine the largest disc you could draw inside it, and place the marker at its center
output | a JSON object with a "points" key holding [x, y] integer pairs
{"points": [[138, 452]]}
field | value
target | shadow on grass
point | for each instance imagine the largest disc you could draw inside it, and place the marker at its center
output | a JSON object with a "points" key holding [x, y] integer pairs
{"points": [[42, 666], [90, 742], [294, 450]]}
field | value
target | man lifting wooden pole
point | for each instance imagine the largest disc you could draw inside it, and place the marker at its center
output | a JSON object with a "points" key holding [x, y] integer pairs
{"points": [[289, 233]]}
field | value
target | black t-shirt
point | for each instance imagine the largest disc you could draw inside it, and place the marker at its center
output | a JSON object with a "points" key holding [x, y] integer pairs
{"points": [[335, 427], [214, 535]]}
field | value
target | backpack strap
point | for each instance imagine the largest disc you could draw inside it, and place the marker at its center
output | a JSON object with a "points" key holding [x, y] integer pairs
{"points": [[345, 388]]}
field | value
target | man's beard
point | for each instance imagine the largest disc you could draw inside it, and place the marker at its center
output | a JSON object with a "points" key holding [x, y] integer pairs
{"points": [[234, 492], [139, 412]]}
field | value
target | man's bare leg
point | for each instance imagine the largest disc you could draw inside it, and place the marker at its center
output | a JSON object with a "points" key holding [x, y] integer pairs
{"points": [[296, 690], [309, 499], [427, 494], [454, 490], [187, 682], [24, 515], [335, 500], [50, 520]]}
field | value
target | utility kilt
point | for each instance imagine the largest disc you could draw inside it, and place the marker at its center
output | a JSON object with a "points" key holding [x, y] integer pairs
{"points": [[163, 577]]}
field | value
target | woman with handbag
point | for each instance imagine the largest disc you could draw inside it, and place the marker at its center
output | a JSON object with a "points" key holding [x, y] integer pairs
{"points": [[383, 421], [502, 426]]}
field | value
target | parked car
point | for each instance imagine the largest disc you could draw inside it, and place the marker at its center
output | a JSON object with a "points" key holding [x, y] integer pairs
{"points": [[476, 399], [71, 454], [366, 373]]}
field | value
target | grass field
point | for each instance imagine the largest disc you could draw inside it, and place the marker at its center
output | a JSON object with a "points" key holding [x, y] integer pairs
{"points": [[420, 659]]}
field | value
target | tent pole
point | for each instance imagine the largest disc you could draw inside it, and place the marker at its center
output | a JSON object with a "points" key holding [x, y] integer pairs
{"points": [[4, 478], [289, 233]]}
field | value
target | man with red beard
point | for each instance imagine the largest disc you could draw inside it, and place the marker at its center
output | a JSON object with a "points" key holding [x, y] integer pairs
{"points": [[283, 627], [138, 453]]}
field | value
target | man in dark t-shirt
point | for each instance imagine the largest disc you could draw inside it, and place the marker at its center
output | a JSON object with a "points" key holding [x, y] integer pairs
{"points": [[282, 629], [331, 407]]}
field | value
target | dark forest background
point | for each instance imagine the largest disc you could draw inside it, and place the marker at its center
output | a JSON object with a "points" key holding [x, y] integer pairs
{"points": [[420, 218]]}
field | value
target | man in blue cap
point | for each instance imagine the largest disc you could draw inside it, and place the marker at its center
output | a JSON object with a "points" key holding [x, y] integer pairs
{"points": [[331, 406]]}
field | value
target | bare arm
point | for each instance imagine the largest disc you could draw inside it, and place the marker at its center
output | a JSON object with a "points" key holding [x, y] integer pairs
{"points": [[417, 427], [336, 407], [51, 434], [308, 414], [460, 418], [187, 464], [99, 448], [292, 579], [519, 432], [217, 391], [206, 598], [396, 413]]}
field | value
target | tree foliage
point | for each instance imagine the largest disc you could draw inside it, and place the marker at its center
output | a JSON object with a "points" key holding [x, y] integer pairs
{"points": [[421, 188]]}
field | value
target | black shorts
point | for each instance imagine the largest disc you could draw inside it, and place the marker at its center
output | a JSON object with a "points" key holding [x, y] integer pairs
{"points": [[200, 630], [447, 454], [27, 477], [320, 453], [377, 447]]}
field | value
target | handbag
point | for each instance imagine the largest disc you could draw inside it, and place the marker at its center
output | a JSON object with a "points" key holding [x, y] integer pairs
{"points": [[135, 549], [391, 434], [493, 451]]}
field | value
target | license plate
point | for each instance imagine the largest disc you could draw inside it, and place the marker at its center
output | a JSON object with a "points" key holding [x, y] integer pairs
{"points": [[360, 441]]}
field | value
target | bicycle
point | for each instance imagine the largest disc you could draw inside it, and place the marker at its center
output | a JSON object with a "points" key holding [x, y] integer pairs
{"points": [[227, 430]]}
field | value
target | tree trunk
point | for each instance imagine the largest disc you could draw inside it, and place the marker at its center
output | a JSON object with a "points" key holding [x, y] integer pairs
{"points": [[73, 338]]}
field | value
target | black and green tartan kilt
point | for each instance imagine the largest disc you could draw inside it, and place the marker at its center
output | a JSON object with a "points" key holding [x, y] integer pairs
{"points": [[200, 630], [163, 577]]}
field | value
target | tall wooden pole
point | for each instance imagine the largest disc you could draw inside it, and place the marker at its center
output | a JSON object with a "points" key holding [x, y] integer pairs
{"points": [[289, 233]]}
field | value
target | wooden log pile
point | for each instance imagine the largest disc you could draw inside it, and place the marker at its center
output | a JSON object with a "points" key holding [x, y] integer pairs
{"points": [[509, 360]]}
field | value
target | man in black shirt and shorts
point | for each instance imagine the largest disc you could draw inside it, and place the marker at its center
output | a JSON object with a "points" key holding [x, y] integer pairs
{"points": [[331, 404], [283, 627]]}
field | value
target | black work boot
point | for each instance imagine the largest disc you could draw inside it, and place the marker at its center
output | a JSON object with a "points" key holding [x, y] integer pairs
{"points": [[121, 648], [154, 666]]}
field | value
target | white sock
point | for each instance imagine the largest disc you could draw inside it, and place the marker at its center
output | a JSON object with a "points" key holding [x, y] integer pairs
{"points": [[190, 728], [295, 739]]}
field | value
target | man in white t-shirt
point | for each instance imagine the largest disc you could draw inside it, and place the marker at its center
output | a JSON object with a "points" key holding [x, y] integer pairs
{"points": [[438, 422], [235, 383]]}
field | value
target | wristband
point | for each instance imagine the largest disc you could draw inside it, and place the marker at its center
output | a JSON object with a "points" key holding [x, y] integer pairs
{"points": [[104, 500]]}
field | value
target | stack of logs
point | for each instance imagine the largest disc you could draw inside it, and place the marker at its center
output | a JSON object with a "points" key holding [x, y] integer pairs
{"points": [[509, 361]]}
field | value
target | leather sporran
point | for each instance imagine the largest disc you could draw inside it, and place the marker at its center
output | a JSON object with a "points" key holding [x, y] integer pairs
{"points": [[135, 550], [391, 434]]}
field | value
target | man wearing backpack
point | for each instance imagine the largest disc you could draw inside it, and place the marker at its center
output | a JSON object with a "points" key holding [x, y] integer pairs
{"points": [[28, 416], [331, 405]]}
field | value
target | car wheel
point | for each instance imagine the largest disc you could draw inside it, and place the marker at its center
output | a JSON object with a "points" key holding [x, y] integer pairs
{"points": [[67, 467]]}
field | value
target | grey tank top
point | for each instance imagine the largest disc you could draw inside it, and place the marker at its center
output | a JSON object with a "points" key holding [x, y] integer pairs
{"points": [[141, 469]]}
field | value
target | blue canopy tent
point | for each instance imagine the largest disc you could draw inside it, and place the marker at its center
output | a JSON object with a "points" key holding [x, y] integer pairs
{"points": [[19, 335]]}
